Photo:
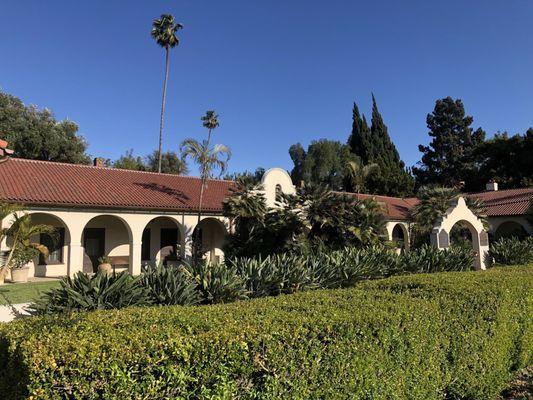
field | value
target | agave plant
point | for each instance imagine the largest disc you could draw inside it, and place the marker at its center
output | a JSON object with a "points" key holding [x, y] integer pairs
{"points": [[97, 292], [169, 285], [510, 251], [217, 283]]}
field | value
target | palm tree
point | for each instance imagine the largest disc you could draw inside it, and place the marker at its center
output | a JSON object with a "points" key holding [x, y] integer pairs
{"points": [[359, 174], [164, 32], [207, 157], [21, 232]]}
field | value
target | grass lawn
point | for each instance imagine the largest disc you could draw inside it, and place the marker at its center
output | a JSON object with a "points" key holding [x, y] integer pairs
{"points": [[23, 292]]}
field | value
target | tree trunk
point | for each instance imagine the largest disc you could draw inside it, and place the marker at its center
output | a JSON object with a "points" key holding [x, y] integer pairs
{"points": [[163, 111]]}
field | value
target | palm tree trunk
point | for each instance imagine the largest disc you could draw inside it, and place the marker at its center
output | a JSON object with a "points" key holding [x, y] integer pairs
{"points": [[167, 60]]}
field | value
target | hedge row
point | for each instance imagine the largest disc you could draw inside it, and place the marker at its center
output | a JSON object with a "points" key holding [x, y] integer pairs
{"points": [[453, 335]]}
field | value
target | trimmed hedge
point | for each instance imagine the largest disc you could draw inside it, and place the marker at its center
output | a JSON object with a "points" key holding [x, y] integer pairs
{"points": [[445, 335]]}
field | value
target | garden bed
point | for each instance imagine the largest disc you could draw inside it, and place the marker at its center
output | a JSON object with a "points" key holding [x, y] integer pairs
{"points": [[432, 336]]}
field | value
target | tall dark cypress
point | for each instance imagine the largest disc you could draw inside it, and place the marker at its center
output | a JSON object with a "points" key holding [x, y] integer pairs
{"points": [[359, 138]]}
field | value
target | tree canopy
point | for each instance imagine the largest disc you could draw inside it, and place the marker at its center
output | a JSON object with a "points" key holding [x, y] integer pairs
{"points": [[34, 133], [449, 158], [325, 162], [374, 146]]}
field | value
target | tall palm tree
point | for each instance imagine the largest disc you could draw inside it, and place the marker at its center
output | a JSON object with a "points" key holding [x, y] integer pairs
{"points": [[207, 157], [164, 32], [359, 174]]}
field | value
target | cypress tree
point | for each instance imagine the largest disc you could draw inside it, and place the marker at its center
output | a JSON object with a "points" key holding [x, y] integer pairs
{"points": [[374, 146]]}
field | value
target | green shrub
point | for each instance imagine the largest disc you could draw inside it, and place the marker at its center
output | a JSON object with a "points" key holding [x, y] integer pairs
{"points": [[97, 292], [169, 285], [512, 251], [427, 259], [445, 335], [216, 283]]}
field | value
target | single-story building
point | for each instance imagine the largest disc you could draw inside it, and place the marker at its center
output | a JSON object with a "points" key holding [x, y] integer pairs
{"points": [[136, 217]]}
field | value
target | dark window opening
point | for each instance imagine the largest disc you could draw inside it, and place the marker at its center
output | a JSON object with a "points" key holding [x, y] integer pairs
{"points": [[54, 243]]}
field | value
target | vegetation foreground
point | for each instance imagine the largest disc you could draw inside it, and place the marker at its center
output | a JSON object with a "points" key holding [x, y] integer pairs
{"points": [[431, 336]]}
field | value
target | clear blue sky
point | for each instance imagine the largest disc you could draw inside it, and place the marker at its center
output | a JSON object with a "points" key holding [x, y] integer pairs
{"points": [[277, 72]]}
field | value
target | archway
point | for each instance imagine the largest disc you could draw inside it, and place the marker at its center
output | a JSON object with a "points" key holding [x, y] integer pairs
{"points": [[55, 264], [400, 237], [460, 213], [461, 235], [106, 235], [162, 241], [510, 229], [213, 235]]}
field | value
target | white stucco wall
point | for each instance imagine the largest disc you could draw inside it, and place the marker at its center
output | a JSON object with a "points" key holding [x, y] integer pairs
{"points": [[272, 178]]}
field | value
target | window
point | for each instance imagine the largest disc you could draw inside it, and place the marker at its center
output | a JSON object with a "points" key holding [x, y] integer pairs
{"points": [[279, 192], [54, 244]]}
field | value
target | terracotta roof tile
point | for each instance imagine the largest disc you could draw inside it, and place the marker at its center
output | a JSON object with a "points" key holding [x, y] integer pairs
{"points": [[394, 207], [507, 202], [60, 184]]}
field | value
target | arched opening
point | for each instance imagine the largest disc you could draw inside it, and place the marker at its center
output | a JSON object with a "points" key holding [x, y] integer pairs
{"points": [[162, 241], [399, 237], [212, 234], [278, 192], [461, 235], [55, 264], [510, 229], [106, 235]]}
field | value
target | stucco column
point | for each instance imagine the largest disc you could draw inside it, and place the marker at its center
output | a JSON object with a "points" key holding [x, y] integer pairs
{"points": [[135, 258], [75, 258]]}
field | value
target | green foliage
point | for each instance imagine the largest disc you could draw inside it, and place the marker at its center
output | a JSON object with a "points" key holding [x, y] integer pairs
{"points": [[314, 216], [171, 163], [449, 158], [446, 335], [217, 283], [130, 162], [169, 285], [164, 31], [511, 251], [105, 260], [324, 163], [428, 258], [97, 292], [374, 146], [506, 160], [35, 134]]}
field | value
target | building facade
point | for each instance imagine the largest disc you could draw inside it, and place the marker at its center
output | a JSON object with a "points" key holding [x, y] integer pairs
{"points": [[142, 217]]}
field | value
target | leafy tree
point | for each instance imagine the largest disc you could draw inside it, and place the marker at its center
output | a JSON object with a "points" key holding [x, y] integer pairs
{"points": [[208, 158], [448, 160], [247, 176], [129, 161], [164, 33], [324, 163], [374, 146], [35, 134], [506, 160], [171, 163]]}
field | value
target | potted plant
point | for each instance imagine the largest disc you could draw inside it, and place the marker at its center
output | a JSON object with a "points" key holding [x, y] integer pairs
{"points": [[105, 264], [22, 249], [22, 256]]}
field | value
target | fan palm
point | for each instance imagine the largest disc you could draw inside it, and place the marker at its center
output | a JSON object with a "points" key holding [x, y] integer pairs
{"points": [[359, 174], [164, 33], [206, 157]]}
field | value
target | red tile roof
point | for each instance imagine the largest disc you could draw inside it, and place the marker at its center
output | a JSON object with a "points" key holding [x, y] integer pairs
{"points": [[507, 202], [394, 207], [58, 184]]}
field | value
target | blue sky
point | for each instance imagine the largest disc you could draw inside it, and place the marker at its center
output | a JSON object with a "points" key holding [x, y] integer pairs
{"points": [[277, 72]]}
